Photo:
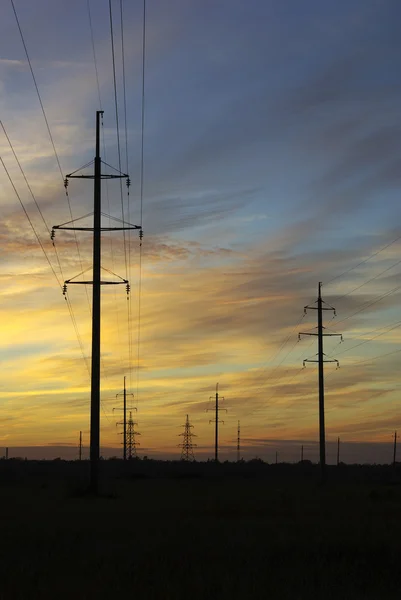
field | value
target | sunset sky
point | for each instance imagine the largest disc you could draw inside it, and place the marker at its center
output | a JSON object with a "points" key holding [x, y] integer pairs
{"points": [[272, 161]]}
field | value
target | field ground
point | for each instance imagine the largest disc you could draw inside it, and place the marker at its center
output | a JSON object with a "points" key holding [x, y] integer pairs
{"points": [[276, 535]]}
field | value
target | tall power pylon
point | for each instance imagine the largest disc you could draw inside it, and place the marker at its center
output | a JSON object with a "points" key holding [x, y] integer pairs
{"points": [[124, 421], [96, 283], [321, 360], [216, 421], [238, 442], [187, 446], [131, 435]]}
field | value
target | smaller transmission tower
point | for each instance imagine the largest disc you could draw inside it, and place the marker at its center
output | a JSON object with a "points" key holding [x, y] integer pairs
{"points": [[124, 421], [187, 446], [80, 445], [395, 449], [131, 438], [216, 422], [238, 442]]}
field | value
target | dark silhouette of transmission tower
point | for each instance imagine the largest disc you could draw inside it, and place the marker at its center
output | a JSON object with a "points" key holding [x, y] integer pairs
{"points": [[239, 442], [216, 422], [96, 282], [321, 360], [187, 446], [124, 421], [395, 449], [131, 435]]}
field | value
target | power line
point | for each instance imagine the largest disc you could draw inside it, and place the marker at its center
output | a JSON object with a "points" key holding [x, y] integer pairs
{"points": [[361, 362], [73, 319], [143, 108], [127, 270], [124, 84], [129, 303], [94, 53], [368, 281], [363, 261], [50, 134], [37, 90], [117, 127], [277, 353], [368, 304], [141, 193], [24, 176], [267, 401], [30, 222], [34, 198], [398, 324], [104, 150]]}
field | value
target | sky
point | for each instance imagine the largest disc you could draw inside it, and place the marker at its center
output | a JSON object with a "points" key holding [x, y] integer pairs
{"points": [[272, 161]]}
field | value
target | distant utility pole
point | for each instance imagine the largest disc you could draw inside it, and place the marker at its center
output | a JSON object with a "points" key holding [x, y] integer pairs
{"points": [[395, 449], [124, 421], [238, 442], [6, 453], [338, 451], [187, 446], [96, 283], [276, 457], [80, 445], [321, 360], [302, 453], [131, 435], [216, 421]]}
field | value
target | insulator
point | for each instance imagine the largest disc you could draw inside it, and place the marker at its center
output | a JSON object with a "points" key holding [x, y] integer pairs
{"points": [[128, 182], [66, 183], [53, 233], [141, 234], [64, 289], [128, 288]]}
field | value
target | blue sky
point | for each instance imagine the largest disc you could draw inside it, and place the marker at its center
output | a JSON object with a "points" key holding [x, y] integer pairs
{"points": [[272, 161]]}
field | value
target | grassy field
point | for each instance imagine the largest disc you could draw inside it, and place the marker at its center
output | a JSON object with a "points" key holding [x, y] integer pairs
{"points": [[179, 537]]}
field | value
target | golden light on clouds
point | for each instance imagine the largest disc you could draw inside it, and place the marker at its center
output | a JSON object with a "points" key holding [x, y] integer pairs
{"points": [[256, 186]]}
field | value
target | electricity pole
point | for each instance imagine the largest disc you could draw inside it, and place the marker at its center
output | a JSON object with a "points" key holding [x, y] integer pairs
{"points": [[238, 442], [124, 423], [395, 449], [321, 360], [302, 453], [338, 451], [216, 421], [80, 445], [96, 282], [276, 457]]}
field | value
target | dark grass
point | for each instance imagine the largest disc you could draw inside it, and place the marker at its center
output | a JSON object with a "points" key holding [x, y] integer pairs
{"points": [[218, 535]]}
